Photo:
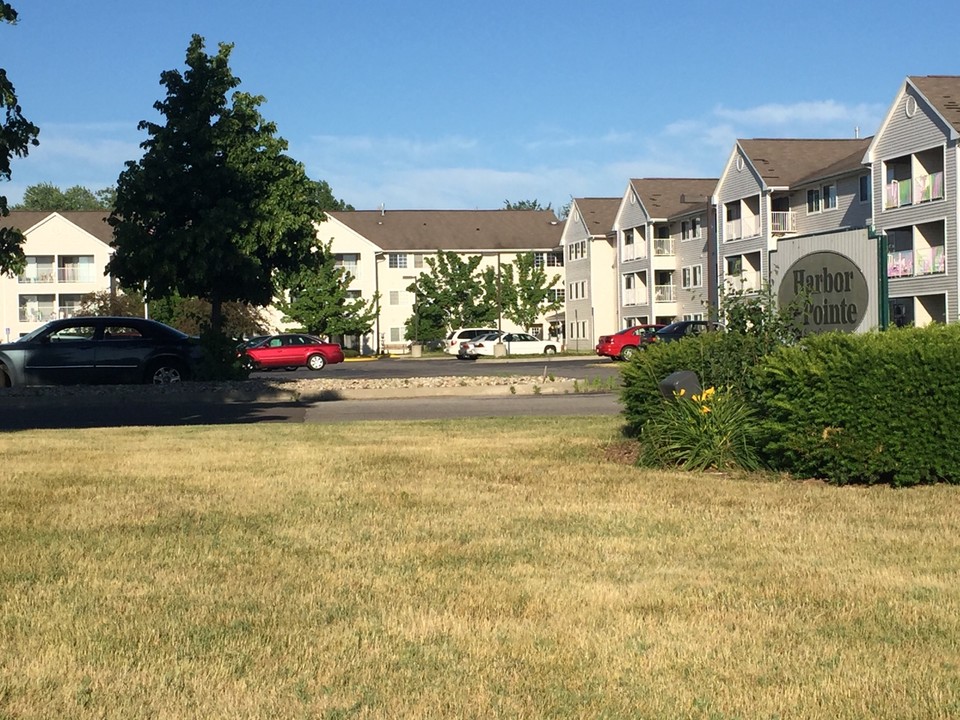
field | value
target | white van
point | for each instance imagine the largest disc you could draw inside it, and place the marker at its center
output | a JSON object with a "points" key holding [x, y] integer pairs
{"points": [[451, 343]]}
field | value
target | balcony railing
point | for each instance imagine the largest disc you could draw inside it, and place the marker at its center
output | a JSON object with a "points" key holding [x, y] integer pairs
{"points": [[913, 191], [746, 281], [37, 275], [82, 274], [742, 228], [663, 247], [664, 293], [43, 313], [783, 221], [911, 263], [629, 252]]}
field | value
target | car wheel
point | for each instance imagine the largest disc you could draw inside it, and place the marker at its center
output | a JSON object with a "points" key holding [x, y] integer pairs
{"points": [[628, 352], [164, 372], [290, 368], [550, 350], [5, 380], [316, 362]]}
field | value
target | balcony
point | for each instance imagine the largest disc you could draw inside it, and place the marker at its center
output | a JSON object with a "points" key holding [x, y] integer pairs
{"points": [[747, 281], [913, 191], [75, 274], [916, 263], [663, 247], [739, 229], [664, 293], [783, 222], [37, 314], [37, 275]]}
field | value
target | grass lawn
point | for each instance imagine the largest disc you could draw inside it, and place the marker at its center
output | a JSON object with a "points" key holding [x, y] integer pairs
{"points": [[495, 568]]}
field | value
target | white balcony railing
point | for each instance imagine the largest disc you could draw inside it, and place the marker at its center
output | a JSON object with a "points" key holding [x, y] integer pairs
{"points": [[663, 247], [746, 281], [783, 221], [82, 274], [742, 228], [37, 275], [664, 293]]}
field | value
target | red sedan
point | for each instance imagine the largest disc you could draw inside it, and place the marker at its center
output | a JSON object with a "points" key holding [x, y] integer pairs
{"points": [[624, 344], [292, 351]]}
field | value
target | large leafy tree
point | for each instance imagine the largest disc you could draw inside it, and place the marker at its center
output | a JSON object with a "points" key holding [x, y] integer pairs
{"points": [[17, 135], [214, 209], [451, 294], [525, 291], [320, 300], [49, 197]]}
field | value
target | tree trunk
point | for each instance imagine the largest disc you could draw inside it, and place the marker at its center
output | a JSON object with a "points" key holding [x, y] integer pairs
{"points": [[216, 313]]}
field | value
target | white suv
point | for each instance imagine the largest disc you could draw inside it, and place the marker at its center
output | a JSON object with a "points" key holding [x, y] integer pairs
{"points": [[451, 343]]}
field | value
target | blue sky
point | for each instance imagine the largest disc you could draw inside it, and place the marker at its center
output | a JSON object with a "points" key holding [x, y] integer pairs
{"points": [[443, 104]]}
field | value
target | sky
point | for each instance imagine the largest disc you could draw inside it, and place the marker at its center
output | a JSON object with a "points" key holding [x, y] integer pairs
{"points": [[446, 104]]}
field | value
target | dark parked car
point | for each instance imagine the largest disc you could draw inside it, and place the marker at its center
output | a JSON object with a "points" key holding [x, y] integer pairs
{"points": [[99, 350], [626, 343], [292, 350], [685, 328]]}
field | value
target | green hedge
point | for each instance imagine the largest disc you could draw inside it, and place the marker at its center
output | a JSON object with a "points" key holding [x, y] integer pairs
{"points": [[873, 408]]}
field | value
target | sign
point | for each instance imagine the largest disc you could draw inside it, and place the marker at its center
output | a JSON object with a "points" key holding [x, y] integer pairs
{"points": [[829, 291]]}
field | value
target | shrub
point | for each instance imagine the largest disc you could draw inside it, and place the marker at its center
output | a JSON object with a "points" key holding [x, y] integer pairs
{"points": [[219, 359], [872, 408], [710, 430]]}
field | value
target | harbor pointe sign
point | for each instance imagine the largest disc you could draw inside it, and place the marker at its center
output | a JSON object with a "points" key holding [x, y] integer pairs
{"points": [[829, 291]]}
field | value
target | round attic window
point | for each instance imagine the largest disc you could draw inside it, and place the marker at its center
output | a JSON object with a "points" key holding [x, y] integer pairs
{"points": [[739, 163], [910, 106]]}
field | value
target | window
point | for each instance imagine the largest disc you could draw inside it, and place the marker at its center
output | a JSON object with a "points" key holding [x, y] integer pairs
{"points": [[394, 334], [394, 297], [418, 260], [697, 228], [829, 197], [556, 295], [397, 260], [821, 199], [865, 188], [685, 233], [347, 261], [691, 276], [735, 265]]}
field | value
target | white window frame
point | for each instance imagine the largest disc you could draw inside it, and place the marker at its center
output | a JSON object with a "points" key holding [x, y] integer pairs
{"points": [[397, 261]]}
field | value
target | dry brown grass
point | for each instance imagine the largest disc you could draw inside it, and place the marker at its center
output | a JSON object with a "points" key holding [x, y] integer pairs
{"points": [[481, 569]]}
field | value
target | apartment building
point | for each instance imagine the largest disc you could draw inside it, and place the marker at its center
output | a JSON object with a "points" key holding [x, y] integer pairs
{"points": [[774, 189], [385, 251], [590, 261], [914, 157], [664, 250], [67, 254]]}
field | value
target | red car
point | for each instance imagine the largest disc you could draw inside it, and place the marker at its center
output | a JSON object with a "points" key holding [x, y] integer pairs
{"points": [[291, 351], [624, 344]]}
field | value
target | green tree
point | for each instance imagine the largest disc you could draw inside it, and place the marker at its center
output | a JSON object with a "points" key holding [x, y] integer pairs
{"points": [[192, 315], [50, 198], [118, 304], [525, 291], [451, 294], [525, 205], [320, 300], [326, 200], [17, 135], [214, 209]]}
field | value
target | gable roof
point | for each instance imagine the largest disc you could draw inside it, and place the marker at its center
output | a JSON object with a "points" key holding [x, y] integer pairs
{"points": [[91, 221], [456, 230], [943, 94], [787, 162], [668, 197], [598, 214]]}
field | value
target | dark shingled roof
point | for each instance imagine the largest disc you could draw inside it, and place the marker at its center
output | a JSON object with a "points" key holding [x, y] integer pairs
{"points": [[669, 197], [598, 213], [943, 92], [456, 230], [93, 221], [791, 162]]}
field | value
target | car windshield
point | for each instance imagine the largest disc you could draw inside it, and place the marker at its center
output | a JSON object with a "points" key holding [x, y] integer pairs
{"points": [[34, 333]]}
